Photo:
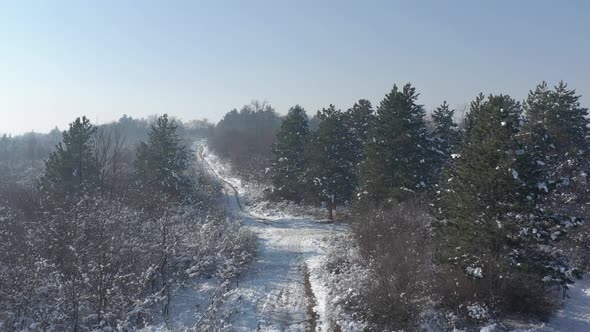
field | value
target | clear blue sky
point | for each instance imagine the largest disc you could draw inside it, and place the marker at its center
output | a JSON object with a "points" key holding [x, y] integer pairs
{"points": [[193, 59]]}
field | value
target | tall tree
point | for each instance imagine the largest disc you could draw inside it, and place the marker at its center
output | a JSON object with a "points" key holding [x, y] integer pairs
{"points": [[491, 229], [397, 149], [569, 126], [482, 188], [445, 137], [556, 132], [331, 166], [359, 120], [72, 167], [162, 161], [288, 159]]}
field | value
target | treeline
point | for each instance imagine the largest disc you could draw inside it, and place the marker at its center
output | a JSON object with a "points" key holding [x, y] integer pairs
{"points": [[245, 138], [106, 234], [34, 147], [30, 147], [488, 215], [376, 155]]}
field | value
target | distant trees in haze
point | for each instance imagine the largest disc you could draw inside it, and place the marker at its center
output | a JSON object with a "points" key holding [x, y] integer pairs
{"points": [[36, 147], [245, 137], [29, 147]]}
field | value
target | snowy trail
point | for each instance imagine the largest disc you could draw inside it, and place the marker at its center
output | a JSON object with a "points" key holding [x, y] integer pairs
{"points": [[575, 315], [271, 295]]}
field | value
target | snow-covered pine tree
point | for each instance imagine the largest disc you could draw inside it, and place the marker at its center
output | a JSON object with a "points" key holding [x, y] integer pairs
{"points": [[72, 167], [571, 123], [288, 159], [556, 133], [492, 229], [481, 189], [445, 137], [359, 120], [397, 148], [162, 161], [330, 161]]}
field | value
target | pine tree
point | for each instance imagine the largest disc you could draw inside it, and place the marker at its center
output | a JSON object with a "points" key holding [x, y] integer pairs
{"points": [[397, 148], [288, 159], [570, 127], [556, 132], [330, 161], [491, 229], [482, 189], [72, 167], [162, 161], [445, 137], [359, 120]]}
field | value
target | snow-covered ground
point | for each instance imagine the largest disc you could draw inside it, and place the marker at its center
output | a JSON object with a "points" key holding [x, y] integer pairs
{"points": [[189, 306], [271, 295], [252, 194], [281, 291], [575, 315]]}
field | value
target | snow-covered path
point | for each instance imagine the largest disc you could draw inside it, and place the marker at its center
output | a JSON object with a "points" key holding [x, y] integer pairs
{"points": [[575, 315], [272, 294]]}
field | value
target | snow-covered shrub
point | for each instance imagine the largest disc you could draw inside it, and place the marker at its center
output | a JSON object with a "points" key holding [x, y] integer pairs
{"points": [[269, 208], [114, 268], [477, 311], [509, 294], [396, 244], [99, 260], [345, 276]]}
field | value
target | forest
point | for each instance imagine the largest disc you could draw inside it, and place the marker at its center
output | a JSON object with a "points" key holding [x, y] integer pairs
{"points": [[479, 217], [449, 222]]}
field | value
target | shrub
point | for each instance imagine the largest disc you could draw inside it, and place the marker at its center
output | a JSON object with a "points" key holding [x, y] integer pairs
{"points": [[396, 243]]}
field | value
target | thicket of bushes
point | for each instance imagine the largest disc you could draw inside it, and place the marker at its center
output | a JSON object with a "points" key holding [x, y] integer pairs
{"points": [[103, 236], [397, 245]]}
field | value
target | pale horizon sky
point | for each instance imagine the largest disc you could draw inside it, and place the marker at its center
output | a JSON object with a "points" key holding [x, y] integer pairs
{"points": [[199, 59]]}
